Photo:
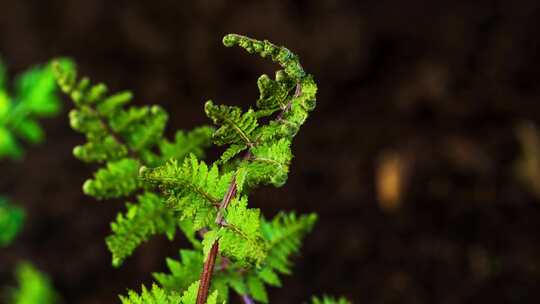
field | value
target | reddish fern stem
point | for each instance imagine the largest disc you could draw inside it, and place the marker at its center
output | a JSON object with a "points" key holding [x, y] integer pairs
{"points": [[208, 269], [247, 299], [226, 200], [206, 275]]}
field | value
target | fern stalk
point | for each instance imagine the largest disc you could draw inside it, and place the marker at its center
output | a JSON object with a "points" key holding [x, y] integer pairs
{"points": [[247, 299], [206, 275], [208, 268]]}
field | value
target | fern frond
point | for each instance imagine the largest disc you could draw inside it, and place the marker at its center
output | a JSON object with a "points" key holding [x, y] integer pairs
{"points": [[329, 300], [33, 287], [190, 295], [100, 149], [187, 227], [240, 238], [36, 89], [231, 152], [192, 188], [257, 289], [183, 272], [284, 236], [119, 178], [147, 132], [149, 217], [274, 94], [101, 117], [301, 104], [192, 142], [252, 252], [285, 58], [155, 295], [236, 127], [158, 295], [112, 105], [126, 138], [11, 221], [269, 164]]}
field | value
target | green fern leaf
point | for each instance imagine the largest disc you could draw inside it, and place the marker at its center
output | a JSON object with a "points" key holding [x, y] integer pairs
{"points": [[190, 295], [100, 149], [192, 142], [284, 235], [236, 127], [274, 94], [136, 129], [148, 131], [36, 88], [119, 178], [230, 278], [231, 152], [34, 287], [329, 300], [111, 105], [86, 120], [269, 164], [187, 228], [192, 188], [301, 105], [182, 273], [240, 239], [269, 276], [279, 54], [124, 121], [29, 130], [149, 217], [257, 289], [9, 147], [155, 295]]}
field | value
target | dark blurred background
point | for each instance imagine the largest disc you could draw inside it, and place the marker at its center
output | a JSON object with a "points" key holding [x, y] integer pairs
{"points": [[422, 157]]}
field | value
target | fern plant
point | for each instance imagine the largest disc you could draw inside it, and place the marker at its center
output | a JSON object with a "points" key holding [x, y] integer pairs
{"points": [[235, 249]]}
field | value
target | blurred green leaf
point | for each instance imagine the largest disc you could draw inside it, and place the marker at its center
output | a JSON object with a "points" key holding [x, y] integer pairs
{"points": [[2, 75], [34, 287], [34, 97], [8, 145], [36, 89], [11, 221], [4, 105], [30, 131]]}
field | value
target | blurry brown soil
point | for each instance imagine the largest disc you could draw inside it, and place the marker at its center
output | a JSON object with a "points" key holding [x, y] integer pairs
{"points": [[440, 85]]}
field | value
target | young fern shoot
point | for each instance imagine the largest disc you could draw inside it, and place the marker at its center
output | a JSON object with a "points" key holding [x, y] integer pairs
{"points": [[234, 247]]}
